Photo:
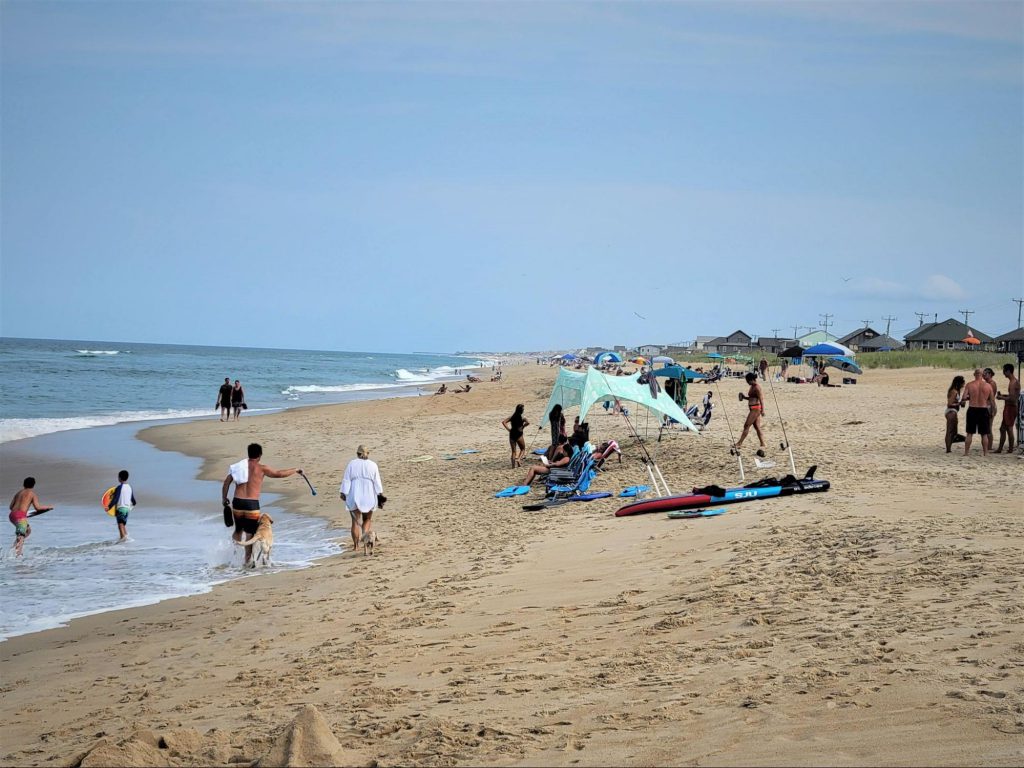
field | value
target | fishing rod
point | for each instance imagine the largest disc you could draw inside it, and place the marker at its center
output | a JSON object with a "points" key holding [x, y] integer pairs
{"points": [[732, 438], [785, 444]]}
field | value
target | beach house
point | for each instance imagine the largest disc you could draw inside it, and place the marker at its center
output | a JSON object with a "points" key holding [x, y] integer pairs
{"points": [[948, 334], [1011, 342], [736, 342], [855, 340]]}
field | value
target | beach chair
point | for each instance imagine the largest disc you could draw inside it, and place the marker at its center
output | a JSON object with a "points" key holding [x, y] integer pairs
{"points": [[588, 472], [571, 471]]}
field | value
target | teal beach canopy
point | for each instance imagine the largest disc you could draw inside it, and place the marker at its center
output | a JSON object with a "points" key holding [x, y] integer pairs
{"points": [[585, 389]]}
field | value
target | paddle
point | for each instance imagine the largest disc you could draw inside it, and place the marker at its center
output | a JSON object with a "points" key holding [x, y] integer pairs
{"points": [[311, 488]]}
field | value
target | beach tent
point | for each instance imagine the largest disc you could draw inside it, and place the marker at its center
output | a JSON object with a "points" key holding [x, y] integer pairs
{"points": [[715, 356], [569, 356], [663, 359], [678, 372], [794, 351], [585, 389], [607, 357]]}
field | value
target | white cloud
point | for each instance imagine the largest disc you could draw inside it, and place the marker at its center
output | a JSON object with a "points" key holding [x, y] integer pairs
{"points": [[942, 287]]}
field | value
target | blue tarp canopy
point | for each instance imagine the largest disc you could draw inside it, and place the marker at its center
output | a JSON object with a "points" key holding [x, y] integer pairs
{"points": [[585, 389], [607, 357], [568, 356], [678, 372]]}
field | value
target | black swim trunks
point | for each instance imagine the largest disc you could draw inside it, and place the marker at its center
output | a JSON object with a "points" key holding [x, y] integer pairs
{"points": [[979, 420], [246, 525], [246, 513]]}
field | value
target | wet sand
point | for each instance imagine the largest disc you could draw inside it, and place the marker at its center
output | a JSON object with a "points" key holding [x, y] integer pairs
{"points": [[878, 623]]}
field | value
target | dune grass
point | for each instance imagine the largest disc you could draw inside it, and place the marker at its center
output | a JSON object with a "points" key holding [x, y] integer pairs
{"points": [[960, 360]]}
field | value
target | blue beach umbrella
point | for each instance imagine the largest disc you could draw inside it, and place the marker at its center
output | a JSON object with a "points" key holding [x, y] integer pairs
{"points": [[844, 364], [715, 356], [828, 349], [607, 357], [569, 356]]}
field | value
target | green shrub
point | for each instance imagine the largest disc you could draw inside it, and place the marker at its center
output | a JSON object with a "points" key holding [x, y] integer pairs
{"points": [[960, 360]]}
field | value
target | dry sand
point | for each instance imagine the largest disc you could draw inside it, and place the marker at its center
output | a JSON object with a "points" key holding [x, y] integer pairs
{"points": [[879, 623]]}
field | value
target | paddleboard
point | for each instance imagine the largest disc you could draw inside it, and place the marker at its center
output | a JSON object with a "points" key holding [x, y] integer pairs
{"points": [[732, 496], [689, 514], [105, 500]]}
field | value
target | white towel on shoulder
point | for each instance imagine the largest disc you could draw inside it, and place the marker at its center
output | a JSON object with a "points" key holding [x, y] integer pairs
{"points": [[240, 471]]}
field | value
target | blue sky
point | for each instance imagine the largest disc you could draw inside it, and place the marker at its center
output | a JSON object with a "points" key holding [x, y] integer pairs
{"points": [[506, 176]]}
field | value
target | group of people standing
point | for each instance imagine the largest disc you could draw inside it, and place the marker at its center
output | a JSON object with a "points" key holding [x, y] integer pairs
{"points": [[980, 396], [230, 399]]}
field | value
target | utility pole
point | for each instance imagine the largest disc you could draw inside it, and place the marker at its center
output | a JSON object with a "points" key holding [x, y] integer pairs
{"points": [[1020, 303], [826, 323], [795, 329], [936, 318], [967, 315], [920, 318], [888, 323], [866, 323]]}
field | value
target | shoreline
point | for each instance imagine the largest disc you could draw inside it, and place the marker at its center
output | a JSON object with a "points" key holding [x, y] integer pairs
{"points": [[483, 634]]}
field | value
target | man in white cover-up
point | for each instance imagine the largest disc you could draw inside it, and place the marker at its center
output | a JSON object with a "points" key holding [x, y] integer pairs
{"points": [[359, 489]]}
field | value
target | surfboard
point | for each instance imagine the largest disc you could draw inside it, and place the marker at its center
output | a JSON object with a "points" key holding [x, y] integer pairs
{"points": [[731, 496], [105, 500], [689, 514]]}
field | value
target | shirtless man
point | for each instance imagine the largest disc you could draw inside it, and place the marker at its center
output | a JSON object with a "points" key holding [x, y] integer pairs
{"points": [[245, 506], [18, 516], [224, 399], [755, 400], [1008, 426], [979, 419]]}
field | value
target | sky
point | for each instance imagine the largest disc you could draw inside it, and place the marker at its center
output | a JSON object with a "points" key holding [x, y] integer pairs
{"points": [[413, 177]]}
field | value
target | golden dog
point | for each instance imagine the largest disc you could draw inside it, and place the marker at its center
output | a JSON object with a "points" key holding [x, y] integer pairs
{"points": [[261, 542]]}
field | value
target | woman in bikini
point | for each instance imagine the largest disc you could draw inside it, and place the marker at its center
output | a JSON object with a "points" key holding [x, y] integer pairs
{"points": [[755, 400], [953, 410], [516, 425]]}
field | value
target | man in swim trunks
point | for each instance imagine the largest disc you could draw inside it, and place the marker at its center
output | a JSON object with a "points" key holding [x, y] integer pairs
{"points": [[755, 400], [224, 399], [245, 506], [20, 504], [1011, 401], [979, 419]]}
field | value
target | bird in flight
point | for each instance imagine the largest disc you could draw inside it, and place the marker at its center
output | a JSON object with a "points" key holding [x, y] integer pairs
{"points": [[639, 315], [845, 279]]}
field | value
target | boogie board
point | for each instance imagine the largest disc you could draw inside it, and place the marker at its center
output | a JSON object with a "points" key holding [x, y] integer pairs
{"points": [[105, 500], [731, 496]]}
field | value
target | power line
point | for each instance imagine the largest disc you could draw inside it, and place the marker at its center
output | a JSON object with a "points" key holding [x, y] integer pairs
{"points": [[826, 322], [888, 322], [967, 315], [866, 323], [920, 318]]}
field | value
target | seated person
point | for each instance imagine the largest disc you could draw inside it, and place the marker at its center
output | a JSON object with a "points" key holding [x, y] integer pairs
{"points": [[563, 455], [472, 379], [442, 389], [606, 449], [463, 389]]}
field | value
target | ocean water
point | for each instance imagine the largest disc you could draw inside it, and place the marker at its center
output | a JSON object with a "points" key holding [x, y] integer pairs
{"points": [[69, 413], [55, 385]]}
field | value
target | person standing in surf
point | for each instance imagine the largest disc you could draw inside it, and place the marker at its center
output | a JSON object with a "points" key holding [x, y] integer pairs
{"points": [[237, 399], [248, 475], [23, 500], [755, 401], [122, 502], [224, 399]]}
